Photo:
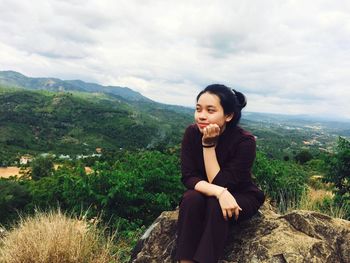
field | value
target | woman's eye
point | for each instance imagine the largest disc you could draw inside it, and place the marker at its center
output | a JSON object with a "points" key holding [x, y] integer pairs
{"points": [[211, 111]]}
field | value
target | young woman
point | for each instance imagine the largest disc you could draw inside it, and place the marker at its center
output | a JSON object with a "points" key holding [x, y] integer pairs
{"points": [[216, 161]]}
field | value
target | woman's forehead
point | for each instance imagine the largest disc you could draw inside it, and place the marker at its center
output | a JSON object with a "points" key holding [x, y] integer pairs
{"points": [[207, 99]]}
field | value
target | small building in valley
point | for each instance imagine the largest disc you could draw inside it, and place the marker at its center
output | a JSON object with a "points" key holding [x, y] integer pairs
{"points": [[25, 159]]}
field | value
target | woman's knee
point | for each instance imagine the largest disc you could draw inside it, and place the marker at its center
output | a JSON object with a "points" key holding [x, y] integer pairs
{"points": [[192, 199], [213, 206]]}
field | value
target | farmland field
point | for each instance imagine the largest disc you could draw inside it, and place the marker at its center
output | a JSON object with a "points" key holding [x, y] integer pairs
{"points": [[6, 172]]}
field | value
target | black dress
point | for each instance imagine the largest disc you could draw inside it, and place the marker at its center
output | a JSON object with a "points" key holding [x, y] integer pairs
{"points": [[202, 230]]}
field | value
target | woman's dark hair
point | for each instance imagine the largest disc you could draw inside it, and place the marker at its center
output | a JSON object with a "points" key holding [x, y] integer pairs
{"points": [[232, 101]]}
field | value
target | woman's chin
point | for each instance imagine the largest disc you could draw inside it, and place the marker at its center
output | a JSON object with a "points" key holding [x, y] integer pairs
{"points": [[201, 127]]}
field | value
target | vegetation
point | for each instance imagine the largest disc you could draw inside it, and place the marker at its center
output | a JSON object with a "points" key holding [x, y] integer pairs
{"points": [[54, 238], [303, 156], [41, 167], [338, 173], [65, 123], [284, 182], [14, 196], [130, 191]]}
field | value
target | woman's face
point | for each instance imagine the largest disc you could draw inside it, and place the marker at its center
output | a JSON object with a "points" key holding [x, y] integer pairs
{"points": [[210, 111]]}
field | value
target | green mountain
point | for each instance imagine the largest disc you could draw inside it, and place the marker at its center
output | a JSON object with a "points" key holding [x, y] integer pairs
{"points": [[79, 122], [15, 79]]}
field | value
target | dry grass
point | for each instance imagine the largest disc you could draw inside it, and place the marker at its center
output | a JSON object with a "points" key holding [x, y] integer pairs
{"points": [[313, 200], [55, 238]]}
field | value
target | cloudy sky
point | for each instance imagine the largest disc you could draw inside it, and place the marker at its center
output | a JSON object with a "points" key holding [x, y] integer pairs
{"points": [[287, 56]]}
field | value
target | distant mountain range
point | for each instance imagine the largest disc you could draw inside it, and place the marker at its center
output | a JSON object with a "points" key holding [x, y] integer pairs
{"points": [[72, 116], [15, 79]]}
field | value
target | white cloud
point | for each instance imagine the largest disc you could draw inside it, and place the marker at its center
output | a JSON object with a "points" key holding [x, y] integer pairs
{"points": [[287, 56]]}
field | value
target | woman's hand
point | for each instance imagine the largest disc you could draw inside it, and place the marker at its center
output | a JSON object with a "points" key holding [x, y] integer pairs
{"points": [[228, 205], [210, 134]]}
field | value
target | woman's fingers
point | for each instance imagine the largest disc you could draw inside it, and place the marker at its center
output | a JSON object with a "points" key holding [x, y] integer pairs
{"points": [[229, 213], [236, 211], [224, 214], [229, 206], [215, 130], [212, 130], [205, 132]]}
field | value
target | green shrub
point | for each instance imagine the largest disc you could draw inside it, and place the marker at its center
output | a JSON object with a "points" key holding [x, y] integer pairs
{"points": [[137, 187], [303, 156], [338, 173], [284, 182], [14, 196], [41, 167]]}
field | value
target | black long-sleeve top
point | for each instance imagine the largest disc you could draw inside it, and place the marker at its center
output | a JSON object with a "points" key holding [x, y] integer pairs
{"points": [[235, 151]]}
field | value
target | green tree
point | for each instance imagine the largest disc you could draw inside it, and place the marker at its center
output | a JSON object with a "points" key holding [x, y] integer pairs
{"points": [[283, 182], [41, 167], [13, 197], [338, 173], [133, 189], [303, 156]]}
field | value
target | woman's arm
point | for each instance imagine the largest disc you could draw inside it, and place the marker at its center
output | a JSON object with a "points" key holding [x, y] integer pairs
{"points": [[210, 136], [190, 174], [208, 189], [227, 202], [211, 164], [237, 168]]}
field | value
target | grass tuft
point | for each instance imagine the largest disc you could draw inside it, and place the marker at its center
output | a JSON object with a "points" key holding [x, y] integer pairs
{"points": [[54, 237], [319, 200]]}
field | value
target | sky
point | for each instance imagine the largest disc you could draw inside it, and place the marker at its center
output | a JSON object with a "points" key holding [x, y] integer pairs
{"points": [[288, 57]]}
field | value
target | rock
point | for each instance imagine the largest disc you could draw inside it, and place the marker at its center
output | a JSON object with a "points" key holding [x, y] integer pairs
{"points": [[2, 232], [299, 236]]}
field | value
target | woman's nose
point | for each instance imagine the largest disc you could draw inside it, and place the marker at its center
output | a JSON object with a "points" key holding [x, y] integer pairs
{"points": [[202, 116]]}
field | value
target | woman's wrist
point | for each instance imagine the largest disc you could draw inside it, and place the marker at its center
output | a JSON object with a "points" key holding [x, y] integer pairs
{"points": [[222, 191], [209, 141], [205, 145]]}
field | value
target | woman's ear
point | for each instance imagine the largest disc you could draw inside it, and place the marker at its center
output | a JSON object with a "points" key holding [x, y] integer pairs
{"points": [[229, 117]]}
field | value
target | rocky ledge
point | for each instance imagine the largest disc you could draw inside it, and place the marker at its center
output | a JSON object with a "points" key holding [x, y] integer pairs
{"points": [[2, 232], [299, 236]]}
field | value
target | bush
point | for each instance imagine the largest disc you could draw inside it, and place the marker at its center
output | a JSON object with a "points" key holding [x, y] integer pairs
{"points": [[41, 167], [137, 188], [55, 238], [284, 182], [303, 157], [338, 173], [13, 197]]}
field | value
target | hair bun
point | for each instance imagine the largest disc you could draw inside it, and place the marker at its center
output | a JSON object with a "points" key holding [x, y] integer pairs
{"points": [[242, 100]]}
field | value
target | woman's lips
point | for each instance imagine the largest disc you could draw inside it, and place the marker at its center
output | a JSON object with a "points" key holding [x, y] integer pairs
{"points": [[202, 125]]}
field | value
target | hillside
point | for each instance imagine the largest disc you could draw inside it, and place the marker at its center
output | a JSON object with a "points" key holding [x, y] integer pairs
{"points": [[78, 122], [15, 79]]}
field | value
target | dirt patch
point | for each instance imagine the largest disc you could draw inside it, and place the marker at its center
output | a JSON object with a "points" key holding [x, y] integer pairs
{"points": [[6, 172]]}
